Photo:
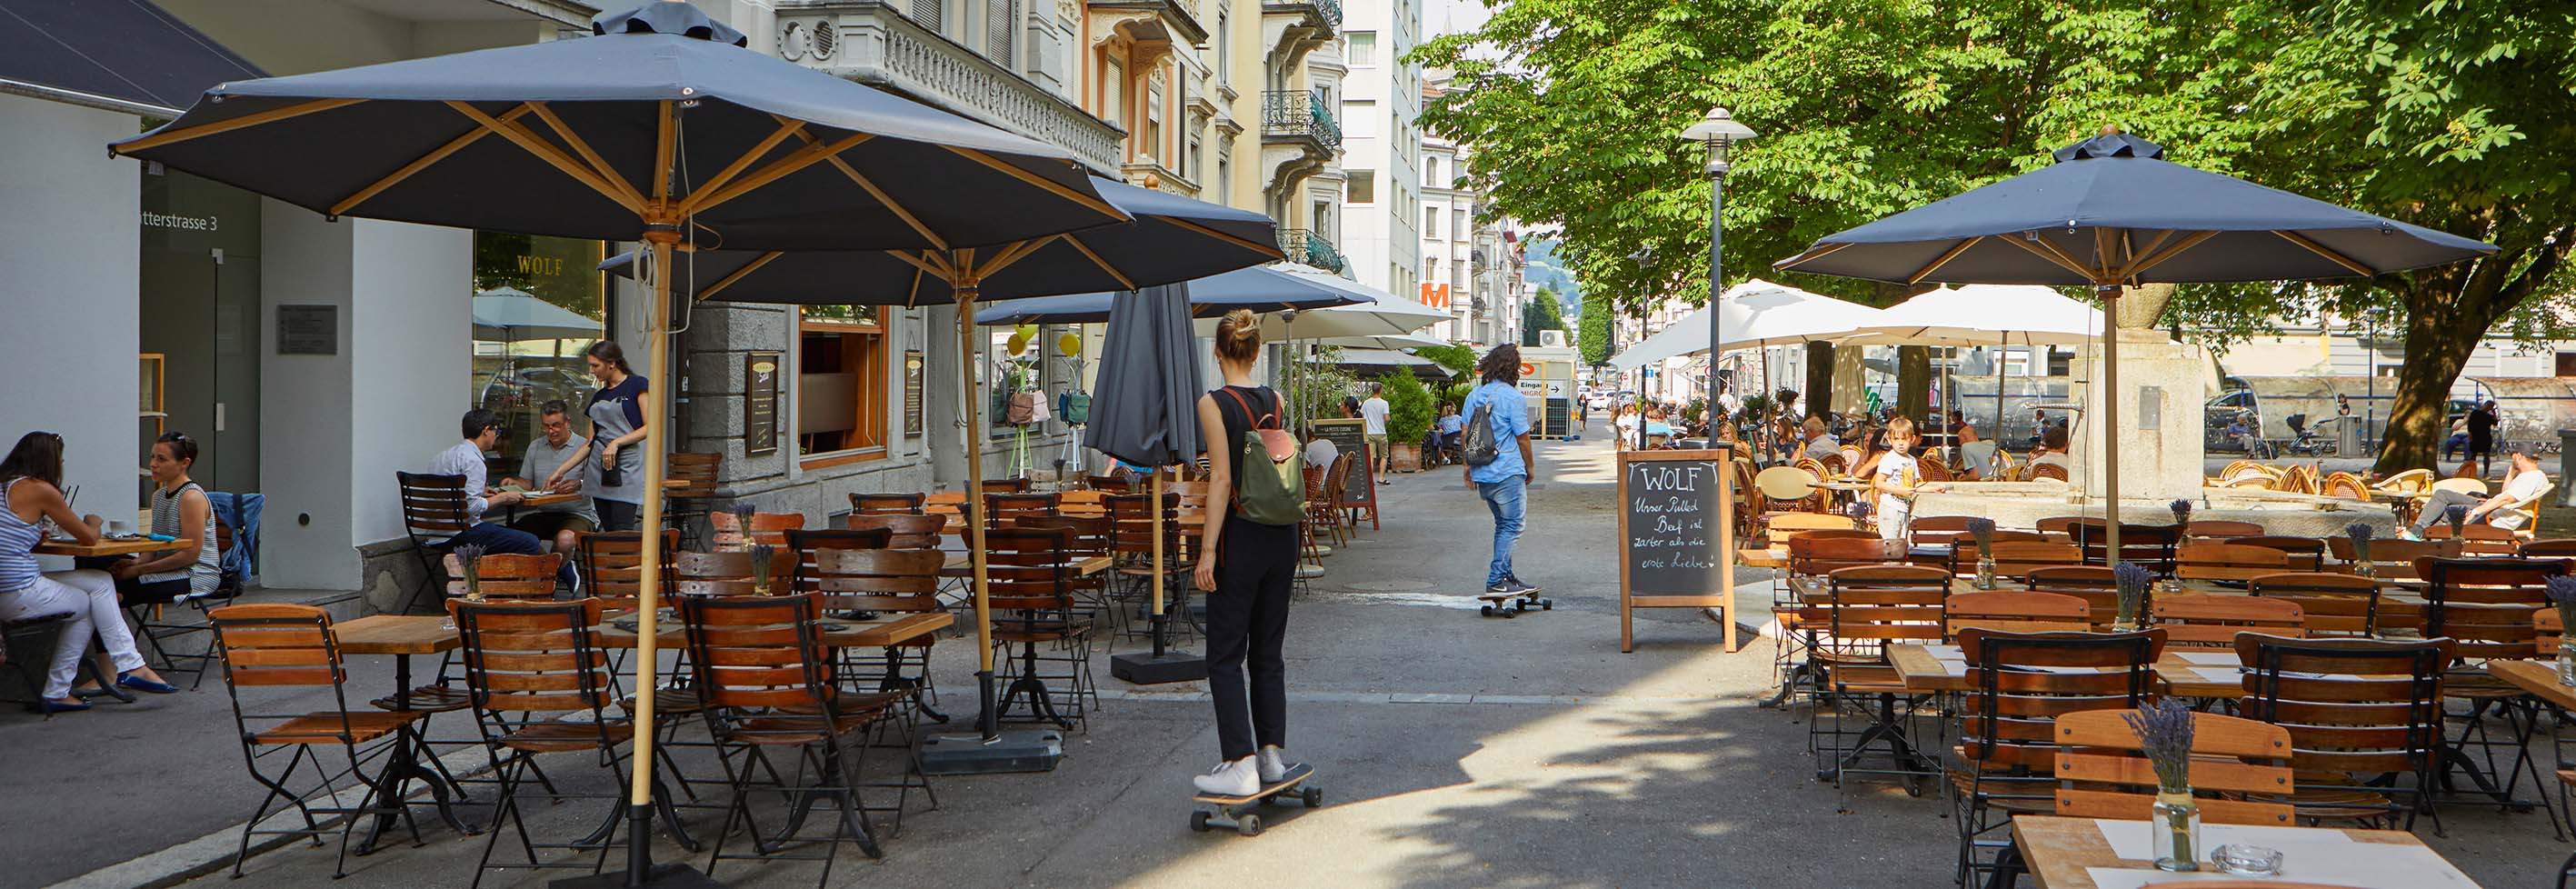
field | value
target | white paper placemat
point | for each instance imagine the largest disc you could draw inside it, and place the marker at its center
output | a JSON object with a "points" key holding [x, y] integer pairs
{"points": [[2135, 840], [2355, 865], [2208, 658]]}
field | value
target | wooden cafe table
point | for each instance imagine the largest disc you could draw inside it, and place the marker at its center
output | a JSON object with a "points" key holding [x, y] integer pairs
{"points": [[2187, 672], [403, 636], [2086, 853], [57, 546]]}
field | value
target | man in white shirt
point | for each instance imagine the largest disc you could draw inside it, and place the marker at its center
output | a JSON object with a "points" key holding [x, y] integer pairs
{"points": [[1373, 425], [482, 431], [1818, 444], [1321, 451], [2523, 483]]}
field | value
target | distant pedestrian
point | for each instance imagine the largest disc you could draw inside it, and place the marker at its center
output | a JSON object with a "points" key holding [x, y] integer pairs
{"points": [[1504, 481], [1373, 425], [2482, 425]]}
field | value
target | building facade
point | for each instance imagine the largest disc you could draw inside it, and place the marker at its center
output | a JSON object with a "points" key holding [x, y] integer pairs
{"points": [[1382, 145], [315, 358]]}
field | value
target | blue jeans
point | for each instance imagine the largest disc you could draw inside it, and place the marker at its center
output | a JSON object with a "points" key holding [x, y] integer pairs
{"points": [[1506, 498]]}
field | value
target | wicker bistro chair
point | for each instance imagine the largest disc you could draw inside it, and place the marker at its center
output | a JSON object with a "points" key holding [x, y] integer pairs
{"points": [[2214, 621], [885, 504], [1867, 608], [1035, 603], [2237, 766], [2333, 604], [2364, 716], [2302, 553], [433, 513], [542, 684], [2485, 607], [290, 648], [765, 671], [2018, 684], [766, 527], [2092, 584]]}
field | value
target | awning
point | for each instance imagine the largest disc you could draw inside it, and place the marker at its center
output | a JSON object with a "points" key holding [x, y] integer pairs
{"points": [[121, 55]]}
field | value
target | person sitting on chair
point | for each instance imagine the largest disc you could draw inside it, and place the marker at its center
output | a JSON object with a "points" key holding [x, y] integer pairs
{"points": [[2523, 483], [482, 431], [1816, 443]]}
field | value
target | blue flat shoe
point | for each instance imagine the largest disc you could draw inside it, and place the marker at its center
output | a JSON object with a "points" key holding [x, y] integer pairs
{"points": [[138, 683], [50, 708]]}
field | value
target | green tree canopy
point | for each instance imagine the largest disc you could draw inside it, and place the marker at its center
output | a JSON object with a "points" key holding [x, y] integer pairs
{"points": [[1541, 312], [1592, 336]]}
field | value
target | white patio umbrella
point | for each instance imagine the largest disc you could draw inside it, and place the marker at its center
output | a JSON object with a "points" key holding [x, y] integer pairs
{"points": [[2003, 315], [503, 314], [1390, 342], [1754, 314]]}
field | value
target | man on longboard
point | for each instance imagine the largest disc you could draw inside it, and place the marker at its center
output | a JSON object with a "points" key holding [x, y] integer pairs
{"points": [[1498, 467]]}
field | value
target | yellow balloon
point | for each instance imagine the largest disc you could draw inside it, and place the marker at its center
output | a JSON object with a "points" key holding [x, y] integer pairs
{"points": [[1018, 343], [1069, 344]]}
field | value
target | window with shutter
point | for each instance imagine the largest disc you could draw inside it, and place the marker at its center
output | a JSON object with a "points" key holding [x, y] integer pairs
{"points": [[1001, 30]]}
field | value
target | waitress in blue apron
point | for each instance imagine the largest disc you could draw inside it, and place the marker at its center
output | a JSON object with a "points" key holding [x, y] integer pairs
{"points": [[616, 414]]}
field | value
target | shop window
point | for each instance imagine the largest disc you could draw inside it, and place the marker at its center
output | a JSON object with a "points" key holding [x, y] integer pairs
{"points": [[1361, 187], [2567, 364], [840, 385], [539, 303]]}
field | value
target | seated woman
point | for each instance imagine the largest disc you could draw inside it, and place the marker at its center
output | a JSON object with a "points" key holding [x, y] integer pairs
{"points": [[181, 512], [30, 493]]}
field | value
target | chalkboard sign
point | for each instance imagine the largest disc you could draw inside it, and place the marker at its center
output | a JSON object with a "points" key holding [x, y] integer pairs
{"points": [[760, 402], [1351, 437], [1676, 541]]}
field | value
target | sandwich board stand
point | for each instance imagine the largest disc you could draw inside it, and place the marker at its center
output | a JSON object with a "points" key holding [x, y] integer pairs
{"points": [[1676, 535]]}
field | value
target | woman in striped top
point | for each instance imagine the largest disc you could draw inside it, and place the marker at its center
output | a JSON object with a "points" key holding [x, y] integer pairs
{"points": [[31, 493], [181, 512]]}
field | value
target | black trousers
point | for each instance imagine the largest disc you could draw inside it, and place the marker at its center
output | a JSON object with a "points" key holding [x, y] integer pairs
{"points": [[1247, 622]]}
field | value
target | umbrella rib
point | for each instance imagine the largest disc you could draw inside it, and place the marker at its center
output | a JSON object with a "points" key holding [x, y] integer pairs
{"points": [[738, 274], [582, 147], [253, 119], [1124, 284], [422, 162], [1813, 253], [1268, 250], [703, 200], [788, 127], [528, 141], [1952, 253], [1052, 186], [2162, 235], [922, 264], [912, 294], [2188, 241], [2328, 253], [666, 142], [1012, 254], [870, 186], [2049, 252]]}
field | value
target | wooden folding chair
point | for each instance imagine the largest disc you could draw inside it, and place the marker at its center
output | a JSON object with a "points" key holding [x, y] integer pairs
{"points": [[886, 504], [2201, 621], [2362, 714], [541, 683], [433, 513], [768, 528], [2332, 604], [2208, 529], [2237, 766], [2015, 560], [2095, 585], [290, 648], [1868, 607], [2016, 611], [1035, 602], [612, 565], [2018, 684], [690, 479], [902, 531], [2227, 562], [2478, 539], [2303, 553]]}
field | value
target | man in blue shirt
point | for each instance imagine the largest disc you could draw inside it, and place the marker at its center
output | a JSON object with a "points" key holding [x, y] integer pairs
{"points": [[1504, 482]]}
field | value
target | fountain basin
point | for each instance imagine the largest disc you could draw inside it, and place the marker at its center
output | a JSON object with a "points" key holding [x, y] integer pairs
{"points": [[2018, 506]]}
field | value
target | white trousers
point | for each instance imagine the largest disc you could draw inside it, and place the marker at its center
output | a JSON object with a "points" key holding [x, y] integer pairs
{"points": [[89, 596]]}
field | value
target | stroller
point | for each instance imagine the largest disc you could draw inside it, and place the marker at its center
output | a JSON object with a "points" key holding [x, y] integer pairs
{"points": [[2308, 443]]}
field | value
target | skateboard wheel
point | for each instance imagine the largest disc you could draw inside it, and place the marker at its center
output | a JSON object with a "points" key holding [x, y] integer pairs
{"points": [[1547, 604], [1486, 610], [1199, 821], [1520, 606], [1314, 797], [1510, 613], [1248, 825]]}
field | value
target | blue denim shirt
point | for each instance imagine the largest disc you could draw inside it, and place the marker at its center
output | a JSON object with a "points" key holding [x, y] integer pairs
{"points": [[1510, 422]]}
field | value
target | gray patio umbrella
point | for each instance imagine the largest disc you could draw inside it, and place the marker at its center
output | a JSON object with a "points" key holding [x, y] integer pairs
{"points": [[1259, 288], [1145, 411], [2110, 212], [586, 138]]}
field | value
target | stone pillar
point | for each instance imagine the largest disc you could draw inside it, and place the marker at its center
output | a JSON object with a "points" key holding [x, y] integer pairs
{"points": [[2159, 424]]}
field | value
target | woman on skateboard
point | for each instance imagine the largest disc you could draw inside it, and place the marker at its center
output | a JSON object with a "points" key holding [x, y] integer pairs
{"points": [[1247, 567]]}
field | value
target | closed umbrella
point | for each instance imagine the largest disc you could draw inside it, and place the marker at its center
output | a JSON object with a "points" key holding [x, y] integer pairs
{"points": [[587, 137], [1145, 411], [2110, 212]]}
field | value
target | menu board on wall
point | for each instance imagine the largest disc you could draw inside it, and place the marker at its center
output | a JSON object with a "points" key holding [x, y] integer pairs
{"points": [[912, 374], [1675, 513], [760, 402]]}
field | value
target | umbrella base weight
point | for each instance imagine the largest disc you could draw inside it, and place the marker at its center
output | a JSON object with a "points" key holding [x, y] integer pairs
{"points": [[660, 876], [1143, 668], [1035, 750]]}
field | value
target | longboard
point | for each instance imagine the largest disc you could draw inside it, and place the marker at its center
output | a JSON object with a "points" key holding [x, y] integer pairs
{"points": [[1237, 811], [1512, 604]]}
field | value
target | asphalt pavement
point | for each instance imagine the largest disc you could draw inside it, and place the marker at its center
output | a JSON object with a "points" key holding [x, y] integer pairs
{"points": [[1454, 750]]}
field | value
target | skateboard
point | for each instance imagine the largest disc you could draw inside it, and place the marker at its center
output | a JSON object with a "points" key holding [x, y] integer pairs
{"points": [[1238, 811], [1513, 604]]}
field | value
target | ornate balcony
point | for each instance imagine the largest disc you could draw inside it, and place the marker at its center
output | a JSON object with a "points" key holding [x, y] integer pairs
{"points": [[1325, 14], [1303, 245], [1297, 115], [876, 44]]}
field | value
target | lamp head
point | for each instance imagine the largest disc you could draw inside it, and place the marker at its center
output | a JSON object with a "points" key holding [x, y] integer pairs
{"points": [[1718, 130]]}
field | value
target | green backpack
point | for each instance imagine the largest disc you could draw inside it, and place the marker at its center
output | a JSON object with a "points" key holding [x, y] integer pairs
{"points": [[1271, 490]]}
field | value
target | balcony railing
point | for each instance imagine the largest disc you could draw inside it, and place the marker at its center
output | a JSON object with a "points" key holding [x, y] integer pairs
{"points": [[1298, 114], [1328, 10], [1303, 245]]}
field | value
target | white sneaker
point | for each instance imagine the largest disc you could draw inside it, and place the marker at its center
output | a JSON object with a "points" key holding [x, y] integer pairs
{"points": [[1274, 765], [1236, 778]]}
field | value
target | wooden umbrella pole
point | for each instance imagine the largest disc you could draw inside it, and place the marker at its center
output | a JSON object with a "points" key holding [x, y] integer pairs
{"points": [[648, 593], [2110, 294], [967, 287]]}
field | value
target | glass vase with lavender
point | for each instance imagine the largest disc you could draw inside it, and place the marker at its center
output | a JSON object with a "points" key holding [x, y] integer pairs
{"points": [[469, 564], [2360, 533], [2164, 731], [1981, 531], [2130, 581], [742, 511], [761, 554]]}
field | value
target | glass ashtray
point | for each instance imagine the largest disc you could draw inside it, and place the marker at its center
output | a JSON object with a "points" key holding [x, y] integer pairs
{"points": [[2247, 860]]}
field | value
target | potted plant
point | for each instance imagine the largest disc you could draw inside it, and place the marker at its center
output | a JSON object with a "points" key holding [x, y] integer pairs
{"points": [[1408, 418]]}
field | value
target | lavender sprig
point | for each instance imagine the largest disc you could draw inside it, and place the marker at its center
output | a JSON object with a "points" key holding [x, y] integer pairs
{"points": [[2181, 507], [469, 558], [2164, 734], [2360, 532], [743, 510], [2457, 515], [2562, 593], [1982, 530], [2130, 581], [760, 554]]}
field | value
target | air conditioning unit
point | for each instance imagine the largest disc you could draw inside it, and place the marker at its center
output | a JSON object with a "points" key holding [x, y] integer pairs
{"points": [[1551, 339]]}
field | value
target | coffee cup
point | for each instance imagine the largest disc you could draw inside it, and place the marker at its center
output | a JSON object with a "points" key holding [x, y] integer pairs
{"points": [[119, 526]]}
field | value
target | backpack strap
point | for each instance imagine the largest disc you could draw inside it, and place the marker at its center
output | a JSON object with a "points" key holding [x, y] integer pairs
{"points": [[1250, 419]]}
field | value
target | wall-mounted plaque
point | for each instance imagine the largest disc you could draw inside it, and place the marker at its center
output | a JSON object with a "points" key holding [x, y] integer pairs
{"points": [[760, 402], [308, 330]]}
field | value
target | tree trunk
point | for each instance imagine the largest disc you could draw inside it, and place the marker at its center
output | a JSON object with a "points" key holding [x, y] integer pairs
{"points": [[1914, 385], [2440, 336], [1817, 401]]}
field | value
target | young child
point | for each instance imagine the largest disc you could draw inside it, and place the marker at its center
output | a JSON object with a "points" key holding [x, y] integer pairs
{"points": [[1895, 481]]}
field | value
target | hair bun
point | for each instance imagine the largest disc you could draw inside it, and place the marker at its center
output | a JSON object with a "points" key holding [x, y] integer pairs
{"points": [[1238, 336]]}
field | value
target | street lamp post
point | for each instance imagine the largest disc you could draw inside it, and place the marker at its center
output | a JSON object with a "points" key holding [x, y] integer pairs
{"points": [[1718, 132], [1644, 257]]}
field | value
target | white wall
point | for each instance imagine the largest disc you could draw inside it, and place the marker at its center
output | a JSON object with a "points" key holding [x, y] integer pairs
{"points": [[304, 407], [69, 245], [411, 338]]}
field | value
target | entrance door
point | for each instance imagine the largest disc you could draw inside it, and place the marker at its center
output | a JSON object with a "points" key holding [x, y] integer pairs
{"points": [[200, 311]]}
